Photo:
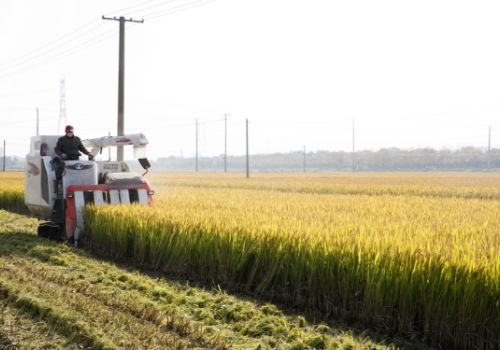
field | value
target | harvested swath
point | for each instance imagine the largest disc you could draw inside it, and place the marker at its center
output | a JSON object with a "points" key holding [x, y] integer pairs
{"points": [[414, 266]]}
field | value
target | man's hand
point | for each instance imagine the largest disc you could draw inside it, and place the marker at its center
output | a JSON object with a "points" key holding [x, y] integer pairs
{"points": [[91, 157], [64, 156]]}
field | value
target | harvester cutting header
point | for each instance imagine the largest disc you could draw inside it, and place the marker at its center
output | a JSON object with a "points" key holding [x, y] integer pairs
{"points": [[58, 184]]}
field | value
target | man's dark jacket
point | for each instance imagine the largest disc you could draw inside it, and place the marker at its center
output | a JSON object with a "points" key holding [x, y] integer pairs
{"points": [[70, 146]]}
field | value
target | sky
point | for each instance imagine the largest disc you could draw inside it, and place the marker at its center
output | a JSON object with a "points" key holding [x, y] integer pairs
{"points": [[405, 74]]}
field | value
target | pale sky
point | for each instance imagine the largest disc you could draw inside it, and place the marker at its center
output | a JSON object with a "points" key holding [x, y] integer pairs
{"points": [[411, 74]]}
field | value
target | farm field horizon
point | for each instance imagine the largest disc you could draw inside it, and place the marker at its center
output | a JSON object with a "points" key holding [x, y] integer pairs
{"points": [[414, 255]]}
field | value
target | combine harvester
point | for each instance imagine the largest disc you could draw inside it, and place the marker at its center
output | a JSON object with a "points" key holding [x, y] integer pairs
{"points": [[57, 190]]}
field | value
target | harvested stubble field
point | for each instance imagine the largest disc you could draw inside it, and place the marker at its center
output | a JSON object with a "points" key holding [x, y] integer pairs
{"points": [[408, 255]]}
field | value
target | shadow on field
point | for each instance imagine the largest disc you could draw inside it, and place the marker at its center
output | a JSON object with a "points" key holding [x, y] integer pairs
{"points": [[26, 244]]}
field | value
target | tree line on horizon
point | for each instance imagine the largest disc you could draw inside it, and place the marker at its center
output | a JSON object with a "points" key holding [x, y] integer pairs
{"points": [[380, 160]]}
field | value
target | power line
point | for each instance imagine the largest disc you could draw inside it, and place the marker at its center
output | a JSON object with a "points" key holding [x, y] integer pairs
{"points": [[40, 48], [147, 8], [170, 126], [188, 8], [67, 53], [22, 121], [128, 8], [170, 9], [62, 54], [67, 42], [27, 92], [65, 36], [308, 122]]}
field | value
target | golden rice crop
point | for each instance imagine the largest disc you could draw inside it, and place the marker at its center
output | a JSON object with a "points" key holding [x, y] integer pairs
{"points": [[424, 266], [410, 254], [461, 185], [12, 191]]}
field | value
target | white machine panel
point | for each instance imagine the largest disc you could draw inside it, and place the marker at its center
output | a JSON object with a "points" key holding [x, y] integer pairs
{"points": [[79, 172], [79, 204], [143, 197], [98, 198], [112, 166], [39, 185], [32, 180], [114, 197], [125, 197], [37, 142]]}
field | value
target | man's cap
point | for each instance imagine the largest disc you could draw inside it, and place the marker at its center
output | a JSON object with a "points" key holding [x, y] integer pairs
{"points": [[69, 128]]}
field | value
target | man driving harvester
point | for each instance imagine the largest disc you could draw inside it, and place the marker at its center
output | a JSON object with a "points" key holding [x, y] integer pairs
{"points": [[69, 145]]}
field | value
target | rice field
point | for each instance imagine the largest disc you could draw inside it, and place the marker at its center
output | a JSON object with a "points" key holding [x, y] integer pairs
{"points": [[411, 255], [12, 192], [54, 296]]}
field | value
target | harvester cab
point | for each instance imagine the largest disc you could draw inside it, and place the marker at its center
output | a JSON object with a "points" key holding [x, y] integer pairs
{"points": [[56, 191]]}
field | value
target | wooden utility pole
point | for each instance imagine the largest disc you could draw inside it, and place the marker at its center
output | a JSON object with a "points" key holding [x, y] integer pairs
{"points": [[121, 81], [353, 146], [489, 143], [196, 145], [304, 159], [3, 155], [248, 163], [225, 143]]}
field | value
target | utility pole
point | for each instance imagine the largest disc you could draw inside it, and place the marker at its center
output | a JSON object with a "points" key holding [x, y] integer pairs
{"points": [[225, 143], [109, 148], [353, 146], [196, 145], [489, 143], [304, 159], [248, 164], [37, 122], [3, 155], [121, 81]]}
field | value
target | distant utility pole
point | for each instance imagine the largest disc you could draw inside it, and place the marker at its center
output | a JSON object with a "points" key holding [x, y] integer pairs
{"points": [[225, 143], [304, 159], [248, 163], [121, 81], [353, 146], [3, 155], [37, 122], [489, 143], [196, 145], [109, 148]]}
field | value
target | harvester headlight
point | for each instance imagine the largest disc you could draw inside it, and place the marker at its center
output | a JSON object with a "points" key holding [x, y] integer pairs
{"points": [[151, 192], [70, 195]]}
